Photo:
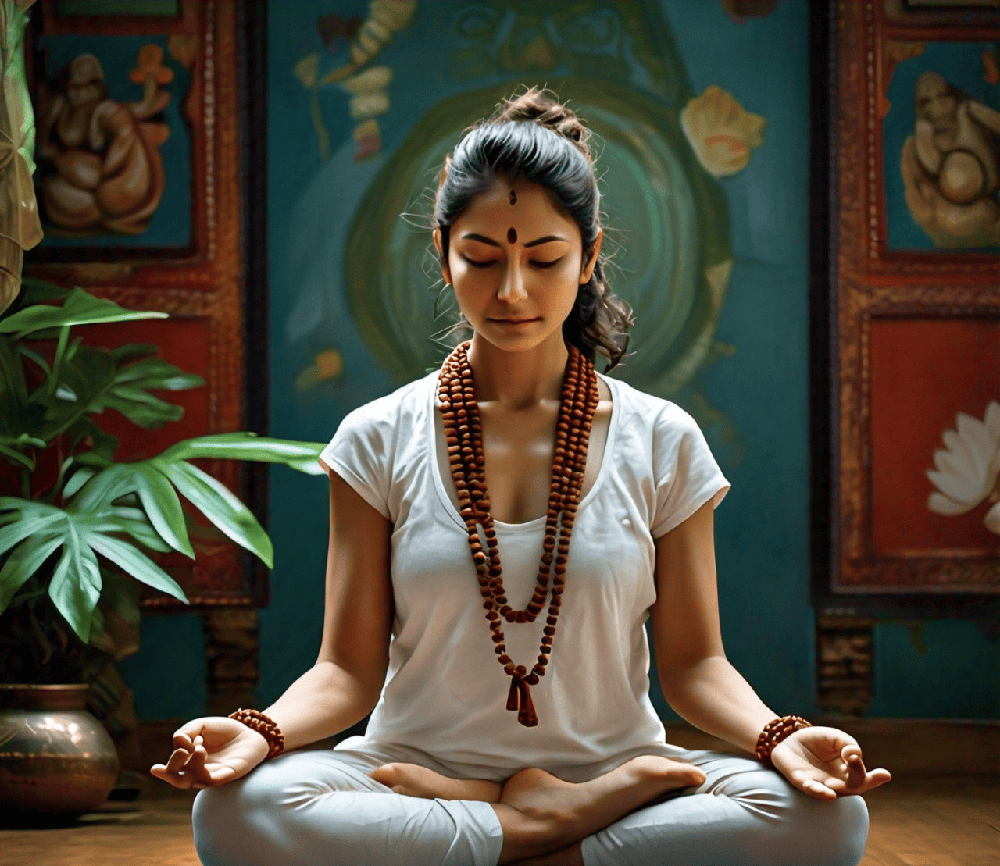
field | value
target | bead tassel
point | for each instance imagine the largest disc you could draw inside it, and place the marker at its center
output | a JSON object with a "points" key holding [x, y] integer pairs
{"points": [[463, 436]]}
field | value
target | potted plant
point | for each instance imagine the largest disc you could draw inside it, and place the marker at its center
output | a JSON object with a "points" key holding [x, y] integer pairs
{"points": [[80, 529]]}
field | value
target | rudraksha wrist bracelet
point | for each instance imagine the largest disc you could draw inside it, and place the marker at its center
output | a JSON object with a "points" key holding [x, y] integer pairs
{"points": [[774, 732], [263, 725]]}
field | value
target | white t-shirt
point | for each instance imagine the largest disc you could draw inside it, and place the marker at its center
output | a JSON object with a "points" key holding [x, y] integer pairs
{"points": [[445, 694]]}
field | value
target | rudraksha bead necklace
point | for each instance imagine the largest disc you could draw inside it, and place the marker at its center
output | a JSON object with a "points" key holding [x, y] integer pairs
{"points": [[464, 437]]}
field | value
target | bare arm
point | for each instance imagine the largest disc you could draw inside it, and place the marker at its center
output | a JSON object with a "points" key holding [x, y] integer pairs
{"points": [[704, 688], [697, 679], [344, 684]]}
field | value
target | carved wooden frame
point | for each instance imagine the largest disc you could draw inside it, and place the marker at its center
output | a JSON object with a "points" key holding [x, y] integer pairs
{"points": [[207, 281], [858, 278]]}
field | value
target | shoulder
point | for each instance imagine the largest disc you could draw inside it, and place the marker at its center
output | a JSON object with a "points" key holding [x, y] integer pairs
{"points": [[401, 407], [647, 411]]}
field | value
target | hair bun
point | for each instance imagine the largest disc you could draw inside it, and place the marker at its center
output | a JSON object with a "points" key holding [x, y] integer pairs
{"points": [[542, 107]]}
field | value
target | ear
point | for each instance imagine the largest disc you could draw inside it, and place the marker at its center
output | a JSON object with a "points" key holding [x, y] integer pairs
{"points": [[588, 266], [445, 270]]}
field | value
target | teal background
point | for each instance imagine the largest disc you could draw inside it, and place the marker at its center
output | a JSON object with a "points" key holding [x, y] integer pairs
{"points": [[945, 669]]}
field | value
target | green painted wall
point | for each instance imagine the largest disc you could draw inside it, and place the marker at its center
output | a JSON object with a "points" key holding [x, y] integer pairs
{"points": [[752, 399]]}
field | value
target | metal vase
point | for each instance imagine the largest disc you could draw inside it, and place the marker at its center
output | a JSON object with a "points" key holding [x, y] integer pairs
{"points": [[55, 757]]}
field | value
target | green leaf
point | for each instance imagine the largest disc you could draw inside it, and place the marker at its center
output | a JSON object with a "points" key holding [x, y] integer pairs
{"points": [[303, 456], [29, 524], [163, 507], [139, 529], [80, 477], [17, 457], [36, 291], [141, 567], [12, 374], [220, 506], [157, 373], [142, 409], [22, 563], [79, 308], [76, 582]]}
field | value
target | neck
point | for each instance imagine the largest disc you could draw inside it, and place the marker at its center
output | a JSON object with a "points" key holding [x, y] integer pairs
{"points": [[518, 380]]}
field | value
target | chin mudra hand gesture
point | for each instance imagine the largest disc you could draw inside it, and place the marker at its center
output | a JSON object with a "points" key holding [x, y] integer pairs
{"points": [[211, 751], [825, 763]]}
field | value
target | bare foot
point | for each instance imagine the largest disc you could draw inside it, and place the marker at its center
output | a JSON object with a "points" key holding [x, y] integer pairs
{"points": [[573, 811], [413, 780]]}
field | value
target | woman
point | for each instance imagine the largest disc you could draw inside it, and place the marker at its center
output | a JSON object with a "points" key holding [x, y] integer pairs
{"points": [[518, 470]]}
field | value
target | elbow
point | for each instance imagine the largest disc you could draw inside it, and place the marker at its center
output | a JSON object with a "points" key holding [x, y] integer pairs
{"points": [[678, 674]]}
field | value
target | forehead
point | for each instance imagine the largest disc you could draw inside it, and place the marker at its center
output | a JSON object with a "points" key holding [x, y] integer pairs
{"points": [[534, 206]]}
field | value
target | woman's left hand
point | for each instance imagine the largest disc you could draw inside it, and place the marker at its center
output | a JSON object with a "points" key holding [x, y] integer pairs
{"points": [[825, 763]]}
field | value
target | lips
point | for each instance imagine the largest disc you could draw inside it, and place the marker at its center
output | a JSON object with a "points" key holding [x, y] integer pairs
{"points": [[515, 321]]}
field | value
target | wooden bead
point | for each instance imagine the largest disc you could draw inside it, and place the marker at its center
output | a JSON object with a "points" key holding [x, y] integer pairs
{"points": [[459, 411]]}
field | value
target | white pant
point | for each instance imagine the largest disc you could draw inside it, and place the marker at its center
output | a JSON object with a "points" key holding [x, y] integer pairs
{"points": [[320, 808]]}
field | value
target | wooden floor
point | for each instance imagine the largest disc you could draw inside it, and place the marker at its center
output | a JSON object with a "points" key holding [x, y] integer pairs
{"points": [[920, 819]]}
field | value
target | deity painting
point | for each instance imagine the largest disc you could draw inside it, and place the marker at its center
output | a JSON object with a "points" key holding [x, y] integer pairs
{"points": [[944, 124], [951, 166], [99, 162], [113, 144]]}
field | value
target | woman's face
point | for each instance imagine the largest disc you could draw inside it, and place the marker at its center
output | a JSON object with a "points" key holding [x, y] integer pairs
{"points": [[516, 261]]}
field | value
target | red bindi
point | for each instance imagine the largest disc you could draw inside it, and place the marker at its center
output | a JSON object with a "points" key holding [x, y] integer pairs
{"points": [[511, 236]]}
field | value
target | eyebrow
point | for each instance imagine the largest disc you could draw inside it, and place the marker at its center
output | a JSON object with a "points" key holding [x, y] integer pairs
{"points": [[472, 236]]}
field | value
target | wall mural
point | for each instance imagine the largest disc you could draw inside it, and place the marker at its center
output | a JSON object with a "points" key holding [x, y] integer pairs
{"points": [[942, 145], [661, 150], [113, 152]]}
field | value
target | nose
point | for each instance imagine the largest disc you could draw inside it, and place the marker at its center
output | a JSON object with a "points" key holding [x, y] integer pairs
{"points": [[512, 285]]}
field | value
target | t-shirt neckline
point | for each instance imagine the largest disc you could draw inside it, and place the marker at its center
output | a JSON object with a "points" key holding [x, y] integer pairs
{"points": [[430, 443]]}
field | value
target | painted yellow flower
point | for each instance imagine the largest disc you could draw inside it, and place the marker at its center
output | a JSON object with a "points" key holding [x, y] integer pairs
{"points": [[966, 472], [721, 132]]}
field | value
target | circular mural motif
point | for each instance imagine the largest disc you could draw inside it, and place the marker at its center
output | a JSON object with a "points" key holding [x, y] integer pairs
{"points": [[667, 229]]}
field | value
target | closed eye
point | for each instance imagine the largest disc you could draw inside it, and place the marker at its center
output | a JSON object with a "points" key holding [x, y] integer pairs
{"points": [[543, 265], [477, 263]]}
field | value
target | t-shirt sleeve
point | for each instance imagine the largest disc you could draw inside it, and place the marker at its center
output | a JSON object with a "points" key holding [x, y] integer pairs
{"points": [[686, 473], [361, 453]]}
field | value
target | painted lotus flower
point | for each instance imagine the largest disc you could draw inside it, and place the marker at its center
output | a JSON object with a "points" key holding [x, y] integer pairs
{"points": [[966, 472], [721, 132]]}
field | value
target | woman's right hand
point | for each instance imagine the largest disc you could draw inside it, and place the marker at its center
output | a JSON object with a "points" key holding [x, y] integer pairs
{"points": [[211, 751]]}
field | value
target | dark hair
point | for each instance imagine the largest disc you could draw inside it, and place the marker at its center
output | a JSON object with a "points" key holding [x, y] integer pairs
{"points": [[535, 136]]}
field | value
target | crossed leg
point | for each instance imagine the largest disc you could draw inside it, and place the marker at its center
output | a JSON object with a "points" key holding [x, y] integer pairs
{"points": [[543, 817]]}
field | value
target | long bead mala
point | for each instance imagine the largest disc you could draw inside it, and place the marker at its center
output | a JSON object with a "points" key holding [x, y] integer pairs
{"points": [[464, 437]]}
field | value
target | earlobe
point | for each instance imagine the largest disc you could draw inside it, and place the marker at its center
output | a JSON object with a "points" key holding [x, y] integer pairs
{"points": [[445, 271]]}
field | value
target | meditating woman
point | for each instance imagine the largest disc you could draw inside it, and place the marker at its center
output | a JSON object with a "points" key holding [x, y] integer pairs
{"points": [[500, 531]]}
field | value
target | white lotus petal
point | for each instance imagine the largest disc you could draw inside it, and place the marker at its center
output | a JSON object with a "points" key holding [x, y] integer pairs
{"points": [[966, 471], [943, 505], [974, 432], [966, 449], [992, 519], [992, 419], [959, 469], [955, 488]]}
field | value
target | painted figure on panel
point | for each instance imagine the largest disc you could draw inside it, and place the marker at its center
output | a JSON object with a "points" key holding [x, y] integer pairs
{"points": [[98, 159], [951, 166]]}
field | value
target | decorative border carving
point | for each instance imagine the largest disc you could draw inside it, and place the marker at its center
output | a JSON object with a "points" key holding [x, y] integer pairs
{"points": [[869, 281]]}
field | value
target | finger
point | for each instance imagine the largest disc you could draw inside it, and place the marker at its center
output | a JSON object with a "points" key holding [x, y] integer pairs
{"points": [[177, 760], [856, 773], [178, 781]]}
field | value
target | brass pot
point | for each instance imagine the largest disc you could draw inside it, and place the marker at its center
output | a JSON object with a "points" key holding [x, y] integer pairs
{"points": [[55, 757]]}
